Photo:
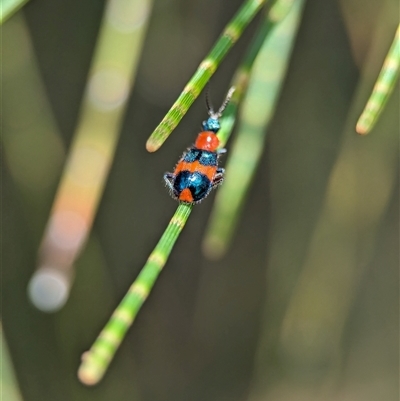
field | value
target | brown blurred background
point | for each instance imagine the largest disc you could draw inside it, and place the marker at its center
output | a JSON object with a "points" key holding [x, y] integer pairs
{"points": [[304, 306]]}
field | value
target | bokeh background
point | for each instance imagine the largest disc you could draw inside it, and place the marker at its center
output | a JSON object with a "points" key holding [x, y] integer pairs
{"points": [[305, 304]]}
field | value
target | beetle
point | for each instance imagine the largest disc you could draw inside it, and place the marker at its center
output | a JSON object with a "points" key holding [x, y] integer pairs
{"points": [[197, 171]]}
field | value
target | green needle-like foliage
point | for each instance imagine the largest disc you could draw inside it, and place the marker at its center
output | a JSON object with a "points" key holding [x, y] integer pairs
{"points": [[241, 78], [382, 89], [206, 69], [9, 7], [97, 359], [95, 362], [110, 80], [9, 386], [310, 299], [266, 80]]}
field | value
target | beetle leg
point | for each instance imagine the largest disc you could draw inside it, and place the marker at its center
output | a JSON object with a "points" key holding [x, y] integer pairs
{"points": [[218, 178], [169, 180]]}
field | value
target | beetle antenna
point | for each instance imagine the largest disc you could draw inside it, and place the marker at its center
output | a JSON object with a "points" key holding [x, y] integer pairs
{"points": [[226, 101], [208, 103]]}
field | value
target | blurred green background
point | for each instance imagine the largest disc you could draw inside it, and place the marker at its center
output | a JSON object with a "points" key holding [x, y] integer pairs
{"points": [[305, 304]]}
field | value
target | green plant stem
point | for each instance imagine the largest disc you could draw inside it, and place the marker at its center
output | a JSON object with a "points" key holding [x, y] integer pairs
{"points": [[110, 81], [264, 87], [96, 361], [9, 7], [204, 72], [9, 385], [382, 89], [240, 81]]}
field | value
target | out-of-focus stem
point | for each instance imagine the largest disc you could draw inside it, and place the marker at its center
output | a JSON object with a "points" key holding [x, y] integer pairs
{"points": [[383, 88], [109, 84]]}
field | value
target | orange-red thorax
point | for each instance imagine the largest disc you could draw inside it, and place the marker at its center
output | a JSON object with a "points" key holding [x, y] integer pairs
{"points": [[207, 140]]}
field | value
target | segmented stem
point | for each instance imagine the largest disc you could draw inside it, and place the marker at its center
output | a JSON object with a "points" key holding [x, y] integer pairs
{"points": [[91, 153], [241, 78], [264, 87], [95, 362], [204, 72], [382, 89], [9, 7]]}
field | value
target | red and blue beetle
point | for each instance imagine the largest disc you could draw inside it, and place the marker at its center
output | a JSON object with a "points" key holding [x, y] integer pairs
{"points": [[197, 171]]}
